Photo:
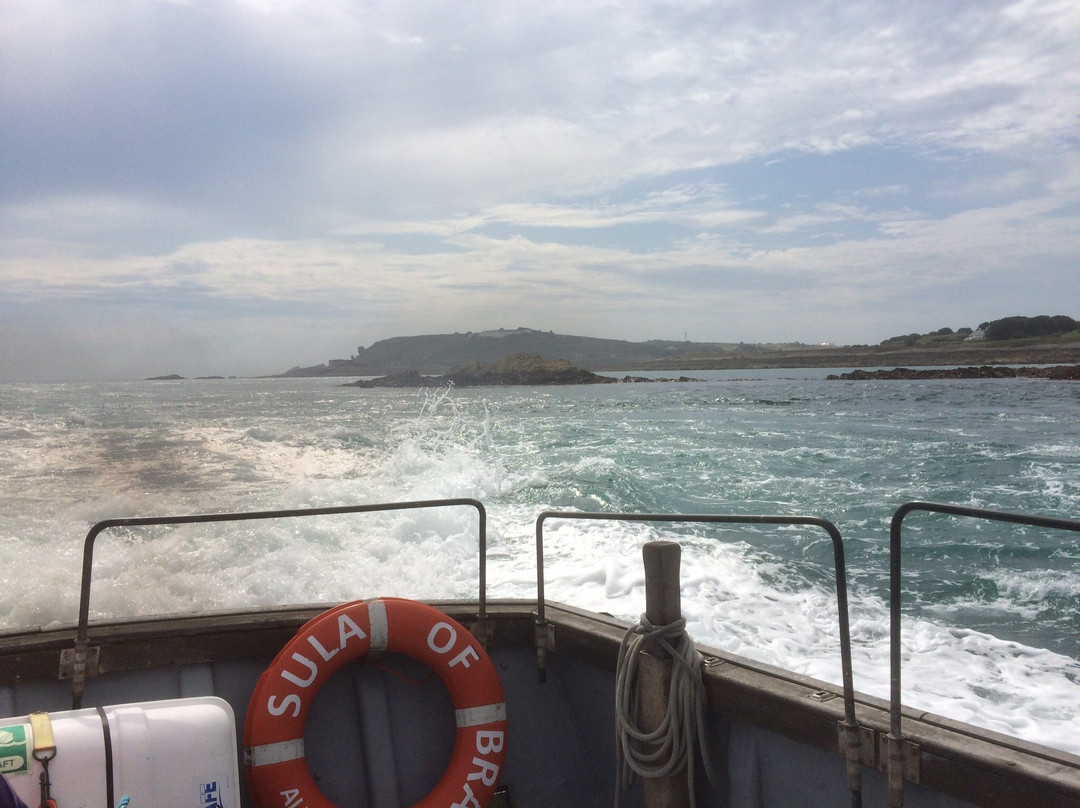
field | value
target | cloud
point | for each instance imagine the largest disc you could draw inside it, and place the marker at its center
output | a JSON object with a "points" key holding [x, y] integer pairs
{"points": [[215, 163]]}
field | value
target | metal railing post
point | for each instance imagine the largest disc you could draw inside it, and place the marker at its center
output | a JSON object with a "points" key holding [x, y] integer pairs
{"points": [[82, 642]]}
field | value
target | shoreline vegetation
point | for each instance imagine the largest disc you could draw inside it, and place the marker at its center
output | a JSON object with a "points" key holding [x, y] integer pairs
{"points": [[883, 357]]}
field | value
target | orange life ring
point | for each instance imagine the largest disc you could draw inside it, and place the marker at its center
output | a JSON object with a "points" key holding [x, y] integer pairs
{"points": [[277, 772]]}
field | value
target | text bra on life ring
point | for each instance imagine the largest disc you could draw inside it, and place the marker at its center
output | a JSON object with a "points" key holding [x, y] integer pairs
{"points": [[277, 772]]}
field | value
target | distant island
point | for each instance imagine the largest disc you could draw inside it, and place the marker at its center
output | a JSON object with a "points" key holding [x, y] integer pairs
{"points": [[1042, 340], [517, 370], [176, 377]]}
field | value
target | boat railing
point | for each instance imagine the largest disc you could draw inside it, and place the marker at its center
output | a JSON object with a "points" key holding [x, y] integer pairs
{"points": [[900, 757], [849, 740], [81, 652]]}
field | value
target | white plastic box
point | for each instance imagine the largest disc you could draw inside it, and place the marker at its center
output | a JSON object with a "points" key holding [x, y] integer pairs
{"points": [[165, 753]]}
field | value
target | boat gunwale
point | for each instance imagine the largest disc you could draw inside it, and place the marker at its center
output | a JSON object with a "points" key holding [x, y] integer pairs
{"points": [[980, 766]]}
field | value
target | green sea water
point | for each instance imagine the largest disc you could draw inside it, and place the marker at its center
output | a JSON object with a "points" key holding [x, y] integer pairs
{"points": [[992, 612]]}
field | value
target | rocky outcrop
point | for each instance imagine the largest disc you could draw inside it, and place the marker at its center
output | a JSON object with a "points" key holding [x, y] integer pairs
{"points": [[1059, 372], [518, 370]]}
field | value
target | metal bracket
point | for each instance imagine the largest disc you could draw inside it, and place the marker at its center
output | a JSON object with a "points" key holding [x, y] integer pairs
{"points": [[484, 632], [902, 750], [868, 747], [544, 635], [545, 642], [862, 744], [901, 763], [67, 662], [857, 748], [822, 695]]}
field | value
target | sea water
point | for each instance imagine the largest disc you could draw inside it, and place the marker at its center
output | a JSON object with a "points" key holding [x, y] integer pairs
{"points": [[991, 622]]}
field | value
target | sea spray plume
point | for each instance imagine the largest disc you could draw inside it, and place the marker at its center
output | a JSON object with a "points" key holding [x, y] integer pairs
{"points": [[448, 449], [494, 456]]}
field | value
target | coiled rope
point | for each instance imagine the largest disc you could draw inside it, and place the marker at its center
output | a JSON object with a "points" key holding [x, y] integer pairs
{"points": [[668, 749]]}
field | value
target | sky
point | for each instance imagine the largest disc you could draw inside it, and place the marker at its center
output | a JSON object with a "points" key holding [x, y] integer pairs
{"points": [[237, 187]]}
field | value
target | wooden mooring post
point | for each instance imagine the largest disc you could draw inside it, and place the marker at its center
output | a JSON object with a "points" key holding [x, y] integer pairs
{"points": [[663, 606]]}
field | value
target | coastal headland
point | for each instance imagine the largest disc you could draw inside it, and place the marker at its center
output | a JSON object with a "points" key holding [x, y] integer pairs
{"points": [[437, 354], [1011, 342]]}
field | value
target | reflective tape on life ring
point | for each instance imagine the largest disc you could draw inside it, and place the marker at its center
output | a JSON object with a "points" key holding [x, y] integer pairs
{"points": [[274, 762]]}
